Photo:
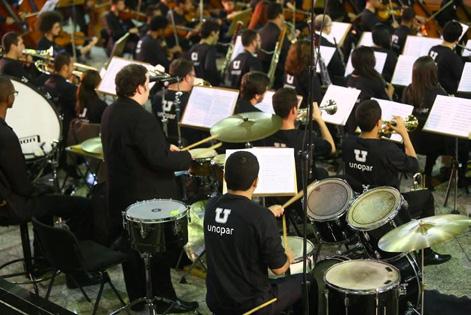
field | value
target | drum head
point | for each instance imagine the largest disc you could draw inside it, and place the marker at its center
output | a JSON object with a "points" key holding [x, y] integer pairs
{"points": [[328, 199], [374, 208], [156, 211], [219, 160], [203, 153], [362, 276], [34, 121], [295, 243]]}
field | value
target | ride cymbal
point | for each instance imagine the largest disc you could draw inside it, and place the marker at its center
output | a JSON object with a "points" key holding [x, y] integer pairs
{"points": [[92, 145]]}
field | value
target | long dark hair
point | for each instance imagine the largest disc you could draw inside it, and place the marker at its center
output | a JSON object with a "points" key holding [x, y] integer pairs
{"points": [[424, 78], [363, 62], [298, 56], [86, 91]]}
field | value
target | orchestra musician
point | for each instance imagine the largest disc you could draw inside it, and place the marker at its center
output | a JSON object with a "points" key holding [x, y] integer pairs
{"points": [[405, 29], [13, 62], [368, 18], [247, 60], [89, 106], [140, 166], [117, 27], [152, 48], [371, 162], [252, 90], [239, 257], [203, 54], [382, 43]]}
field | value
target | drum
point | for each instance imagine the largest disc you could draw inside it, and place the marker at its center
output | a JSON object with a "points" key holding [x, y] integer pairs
{"points": [[295, 243], [374, 213], [218, 165], [409, 269], [195, 245], [327, 205], [202, 161], [362, 287], [156, 225], [35, 122]]}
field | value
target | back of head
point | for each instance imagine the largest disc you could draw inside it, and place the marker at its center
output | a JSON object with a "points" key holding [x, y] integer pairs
{"points": [[90, 80], [248, 37], [241, 170], [367, 115], [321, 21], [252, 83], [452, 31], [6, 89], [298, 57], [61, 60], [284, 100], [86, 90], [424, 72], [129, 78], [180, 67], [158, 23], [381, 36], [363, 62], [47, 20], [408, 15], [10, 38], [274, 9], [208, 27]]}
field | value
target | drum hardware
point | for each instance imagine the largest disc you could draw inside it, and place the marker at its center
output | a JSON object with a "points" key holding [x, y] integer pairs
{"points": [[411, 123], [418, 182]]}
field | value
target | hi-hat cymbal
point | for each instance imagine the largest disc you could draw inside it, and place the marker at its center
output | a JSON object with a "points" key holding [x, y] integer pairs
{"points": [[92, 145], [423, 233], [246, 127]]}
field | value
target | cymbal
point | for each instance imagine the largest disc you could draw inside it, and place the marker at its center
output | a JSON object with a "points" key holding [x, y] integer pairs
{"points": [[92, 145], [246, 127], [423, 233]]}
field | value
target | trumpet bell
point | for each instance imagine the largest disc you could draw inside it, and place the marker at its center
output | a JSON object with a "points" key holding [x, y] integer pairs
{"points": [[47, 54], [411, 122]]}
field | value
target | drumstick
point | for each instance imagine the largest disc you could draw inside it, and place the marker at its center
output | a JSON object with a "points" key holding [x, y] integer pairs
{"points": [[261, 306], [293, 199], [191, 146], [215, 146], [285, 233]]}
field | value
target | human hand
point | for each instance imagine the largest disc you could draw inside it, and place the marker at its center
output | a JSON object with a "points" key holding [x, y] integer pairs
{"points": [[316, 112], [289, 254], [400, 126], [174, 148], [134, 30], [277, 210]]}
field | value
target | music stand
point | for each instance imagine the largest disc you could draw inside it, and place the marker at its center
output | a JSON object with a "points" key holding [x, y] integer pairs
{"points": [[119, 46], [345, 98]]}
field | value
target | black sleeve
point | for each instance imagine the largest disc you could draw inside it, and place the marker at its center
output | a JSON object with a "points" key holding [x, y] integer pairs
{"points": [[335, 66], [154, 147], [400, 161], [157, 105], [115, 28], [256, 65], [321, 147], [457, 69], [153, 53], [389, 66], [272, 253], [210, 69]]}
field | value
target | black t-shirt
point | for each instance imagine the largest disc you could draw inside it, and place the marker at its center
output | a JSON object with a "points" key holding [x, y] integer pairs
{"points": [[369, 87], [300, 83], [153, 51], [375, 162], [203, 57], [399, 38], [368, 20], [15, 69], [450, 67], [243, 63], [244, 106], [390, 63], [242, 242], [94, 110]]}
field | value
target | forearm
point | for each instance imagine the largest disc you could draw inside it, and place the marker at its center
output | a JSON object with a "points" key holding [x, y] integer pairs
{"points": [[325, 134], [408, 147]]}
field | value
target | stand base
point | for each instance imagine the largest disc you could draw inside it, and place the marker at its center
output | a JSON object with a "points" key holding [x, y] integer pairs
{"points": [[149, 304]]}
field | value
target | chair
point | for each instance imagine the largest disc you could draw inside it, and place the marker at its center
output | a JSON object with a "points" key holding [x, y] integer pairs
{"points": [[66, 254]]}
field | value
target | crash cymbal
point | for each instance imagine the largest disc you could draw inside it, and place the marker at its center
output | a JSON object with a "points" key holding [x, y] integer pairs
{"points": [[246, 127], [92, 145], [423, 233]]}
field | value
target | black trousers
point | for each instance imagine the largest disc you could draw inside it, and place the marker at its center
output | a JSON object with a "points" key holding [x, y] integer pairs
{"points": [[421, 203]]}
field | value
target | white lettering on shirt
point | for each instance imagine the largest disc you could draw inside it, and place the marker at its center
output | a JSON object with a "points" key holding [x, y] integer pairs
{"points": [[360, 155], [222, 219]]}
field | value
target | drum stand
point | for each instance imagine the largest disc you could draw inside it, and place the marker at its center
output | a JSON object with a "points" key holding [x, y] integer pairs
{"points": [[453, 179]]}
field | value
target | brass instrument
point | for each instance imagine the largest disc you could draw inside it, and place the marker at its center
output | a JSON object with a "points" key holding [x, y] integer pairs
{"points": [[418, 182], [276, 56], [411, 123], [291, 32], [47, 67], [47, 54], [330, 108], [230, 49]]}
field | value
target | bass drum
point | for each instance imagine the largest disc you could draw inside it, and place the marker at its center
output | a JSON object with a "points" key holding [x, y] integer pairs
{"points": [[35, 122]]}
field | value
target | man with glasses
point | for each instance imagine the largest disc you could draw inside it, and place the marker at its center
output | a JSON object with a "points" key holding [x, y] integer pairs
{"points": [[140, 166]]}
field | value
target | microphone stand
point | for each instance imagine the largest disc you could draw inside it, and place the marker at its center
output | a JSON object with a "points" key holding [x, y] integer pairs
{"points": [[164, 118], [177, 103]]}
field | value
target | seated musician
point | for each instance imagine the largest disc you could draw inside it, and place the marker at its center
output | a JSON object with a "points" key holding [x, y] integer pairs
{"points": [[118, 27], [368, 18], [405, 29], [203, 54], [152, 48], [242, 243], [371, 162], [246, 61], [382, 43], [252, 89], [336, 66], [89, 106], [13, 62], [449, 63]]}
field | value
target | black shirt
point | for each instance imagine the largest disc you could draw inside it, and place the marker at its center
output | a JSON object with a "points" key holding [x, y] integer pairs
{"points": [[450, 67], [389, 64], [203, 57], [244, 106], [242, 242], [116, 26], [152, 50], [243, 63], [14, 68], [45, 44], [300, 83], [368, 20], [399, 38], [369, 87], [93, 110], [375, 162]]}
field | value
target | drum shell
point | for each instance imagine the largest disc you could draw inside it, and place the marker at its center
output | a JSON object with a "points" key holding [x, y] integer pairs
{"points": [[409, 269], [201, 167], [319, 274], [297, 266], [334, 231]]}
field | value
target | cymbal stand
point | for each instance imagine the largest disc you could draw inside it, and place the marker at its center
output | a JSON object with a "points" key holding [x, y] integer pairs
{"points": [[177, 104], [453, 180]]}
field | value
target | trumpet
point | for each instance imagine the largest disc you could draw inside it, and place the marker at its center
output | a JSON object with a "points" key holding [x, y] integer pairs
{"points": [[330, 108], [411, 123], [46, 67], [42, 54]]}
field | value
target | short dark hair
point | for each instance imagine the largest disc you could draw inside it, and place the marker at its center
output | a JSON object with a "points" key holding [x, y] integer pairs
{"points": [[241, 170], [60, 60], [367, 114], [283, 101], [10, 38], [157, 23], [381, 36], [248, 36], [253, 82], [452, 31], [116, 1], [208, 27], [408, 15], [6, 87], [364, 61], [47, 20], [180, 68], [273, 10], [129, 78]]}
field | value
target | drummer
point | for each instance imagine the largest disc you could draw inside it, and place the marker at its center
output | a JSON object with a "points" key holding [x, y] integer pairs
{"points": [[242, 243], [371, 162]]}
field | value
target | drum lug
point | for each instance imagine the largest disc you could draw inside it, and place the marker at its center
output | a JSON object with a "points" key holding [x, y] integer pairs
{"points": [[367, 237], [378, 255], [403, 289]]}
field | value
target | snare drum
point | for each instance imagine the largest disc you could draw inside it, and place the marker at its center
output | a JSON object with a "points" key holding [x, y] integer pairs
{"points": [[202, 158], [327, 205], [154, 225], [295, 244], [374, 213], [35, 122], [362, 287]]}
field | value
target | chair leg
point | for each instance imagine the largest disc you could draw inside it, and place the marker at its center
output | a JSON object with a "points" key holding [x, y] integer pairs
{"points": [[49, 287], [81, 288], [114, 288], [26, 248], [100, 292]]}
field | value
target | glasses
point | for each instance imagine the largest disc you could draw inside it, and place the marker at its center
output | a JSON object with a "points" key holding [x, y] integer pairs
{"points": [[15, 93]]}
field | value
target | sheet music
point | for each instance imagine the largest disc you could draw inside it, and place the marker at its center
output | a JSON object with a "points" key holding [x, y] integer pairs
{"points": [[465, 29], [107, 84], [238, 47], [266, 105], [465, 82], [467, 52], [366, 40], [450, 116], [389, 109], [277, 175], [345, 98], [403, 72], [380, 61], [206, 106], [339, 32], [419, 46], [327, 53]]}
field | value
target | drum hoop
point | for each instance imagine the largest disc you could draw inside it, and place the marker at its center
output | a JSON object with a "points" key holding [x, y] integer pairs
{"points": [[377, 224], [150, 221], [300, 259], [339, 213], [384, 289]]}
